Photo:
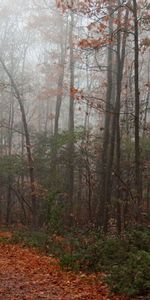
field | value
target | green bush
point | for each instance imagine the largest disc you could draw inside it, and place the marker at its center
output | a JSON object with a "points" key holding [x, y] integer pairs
{"points": [[55, 210], [30, 239], [126, 260], [139, 239], [70, 261], [133, 276]]}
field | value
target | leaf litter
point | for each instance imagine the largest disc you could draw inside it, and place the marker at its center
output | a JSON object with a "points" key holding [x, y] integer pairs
{"points": [[26, 274]]}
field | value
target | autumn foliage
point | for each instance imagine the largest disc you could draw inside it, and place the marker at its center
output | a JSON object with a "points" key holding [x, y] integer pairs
{"points": [[26, 274]]}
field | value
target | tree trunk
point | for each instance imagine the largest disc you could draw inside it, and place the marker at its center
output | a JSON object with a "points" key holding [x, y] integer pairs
{"points": [[71, 115], [11, 121], [138, 173], [102, 164], [28, 146], [115, 133], [61, 78]]}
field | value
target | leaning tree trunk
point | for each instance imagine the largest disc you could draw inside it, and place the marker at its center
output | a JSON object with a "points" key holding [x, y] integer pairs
{"points": [[28, 145]]}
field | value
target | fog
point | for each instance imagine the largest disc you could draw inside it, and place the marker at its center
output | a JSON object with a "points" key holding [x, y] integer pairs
{"points": [[69, 108]]}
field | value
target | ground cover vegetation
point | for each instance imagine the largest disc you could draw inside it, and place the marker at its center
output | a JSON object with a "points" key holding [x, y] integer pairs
{"points": [[124, 262]]}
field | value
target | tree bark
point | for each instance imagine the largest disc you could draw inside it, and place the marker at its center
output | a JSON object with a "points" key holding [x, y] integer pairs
{"points": [[71, 114], [115, 133], [138, 173], [61, 78], [28, 146], [102, 163]]}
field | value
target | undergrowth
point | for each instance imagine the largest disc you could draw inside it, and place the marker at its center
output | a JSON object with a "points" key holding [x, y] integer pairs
{"points": [[125, 260]]}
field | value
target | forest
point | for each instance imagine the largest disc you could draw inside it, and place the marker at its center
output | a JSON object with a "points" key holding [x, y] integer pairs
{"points": [[75, 138]]}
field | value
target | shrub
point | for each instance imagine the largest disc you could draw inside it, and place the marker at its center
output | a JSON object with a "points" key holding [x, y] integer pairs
{"points": [[133, 276], [126, 260], [139, 238], [31, 239]]}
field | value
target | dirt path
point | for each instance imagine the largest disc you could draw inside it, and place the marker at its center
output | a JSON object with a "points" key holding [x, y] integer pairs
{"points": [[25, 274]]}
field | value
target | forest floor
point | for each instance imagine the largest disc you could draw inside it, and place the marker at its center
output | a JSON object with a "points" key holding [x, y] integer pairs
{"points": [[26, 274]]}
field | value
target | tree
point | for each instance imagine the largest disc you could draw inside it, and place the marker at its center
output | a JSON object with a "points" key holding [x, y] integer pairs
{"points": [[71, 115], [138, 174], [28, 144]]}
